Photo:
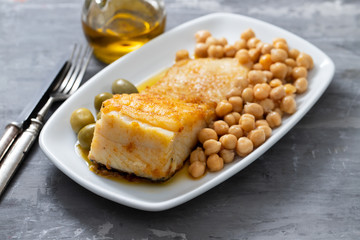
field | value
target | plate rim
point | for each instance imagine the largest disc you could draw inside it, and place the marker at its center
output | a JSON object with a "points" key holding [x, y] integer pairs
{"points": [[221, 177]]}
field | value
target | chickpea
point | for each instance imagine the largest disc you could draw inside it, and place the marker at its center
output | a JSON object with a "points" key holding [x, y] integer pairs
{"points": [[259, 46], [277, 93], [294, 53], [206, 134], [257, 66], [234, 92], [265, 61], [197, 169], [229, 51], [211, 146], [249, 65], [268, 75], [277, 104], [241, 82], [290, 62], [288, 104], [301, 85], [211, 41], [197, 155], [278, 110], [281, 45], [276, 40], [215, 51], [224, 107], [267, 104], [254, 54], [243, 56], [257, 136], [251, 43], [248, 94], [236, 116], [305, 60], [267, 130], [230, 119], [236, 130], [240, 44], [278, 55], [288, 77], [215, 163], [247, 34], [237, 103], [221, 127], [289, 89], [181, 55], [299, 72], [266, 48], [275, 83], [227, 155], [222, 41], [201, 50], [279, 70], [256, 76], [244, 146], [261, 91], [273, 119], [254, 109], [202, 35], [247, 122], [228, 141], [261, 122]]}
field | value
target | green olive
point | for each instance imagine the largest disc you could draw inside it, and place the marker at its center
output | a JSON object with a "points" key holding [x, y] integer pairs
{"points": [[121, 86], [86, 135], [100, 98], [80, 118]]}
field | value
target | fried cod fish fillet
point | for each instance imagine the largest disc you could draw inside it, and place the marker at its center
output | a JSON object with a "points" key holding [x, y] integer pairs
{"points": [[152, 133]]}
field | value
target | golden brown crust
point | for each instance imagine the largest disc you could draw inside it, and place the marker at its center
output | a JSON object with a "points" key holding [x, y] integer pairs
{"points": [[158, 110]]}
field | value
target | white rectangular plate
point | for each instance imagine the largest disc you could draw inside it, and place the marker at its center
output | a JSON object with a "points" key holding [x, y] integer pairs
{"points": [[57, 139]]}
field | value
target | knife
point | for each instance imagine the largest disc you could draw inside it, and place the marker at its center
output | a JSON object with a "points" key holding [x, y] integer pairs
{"points": [[13, 129]]}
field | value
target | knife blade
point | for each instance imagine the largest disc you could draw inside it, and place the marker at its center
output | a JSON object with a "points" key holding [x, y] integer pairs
{"points": [[13, 129]]}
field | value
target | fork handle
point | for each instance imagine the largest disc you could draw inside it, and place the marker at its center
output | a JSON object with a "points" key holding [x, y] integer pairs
{"points": [[17, 152]]}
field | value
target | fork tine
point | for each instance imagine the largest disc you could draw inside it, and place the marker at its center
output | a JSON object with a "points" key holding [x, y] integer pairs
{"points": [[73, 78], [77, 64], [85, 62], [68, 75]]}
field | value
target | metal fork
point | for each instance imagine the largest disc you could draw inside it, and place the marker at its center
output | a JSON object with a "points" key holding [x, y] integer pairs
{"points": [[71, 81], [79, 61]]}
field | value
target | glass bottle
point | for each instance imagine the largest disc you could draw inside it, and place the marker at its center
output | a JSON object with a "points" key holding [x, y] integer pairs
{"points": [[116, 27]]}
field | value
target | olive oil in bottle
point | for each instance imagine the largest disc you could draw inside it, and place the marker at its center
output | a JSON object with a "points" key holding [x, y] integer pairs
{"points": [[116, 27]]}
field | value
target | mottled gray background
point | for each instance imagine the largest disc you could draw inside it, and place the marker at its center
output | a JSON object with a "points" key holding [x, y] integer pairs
{"points": [[307, 186]]}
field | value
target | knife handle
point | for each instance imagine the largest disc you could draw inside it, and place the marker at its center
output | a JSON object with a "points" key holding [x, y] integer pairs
{"points": [[17, 152], [11, 132]]}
